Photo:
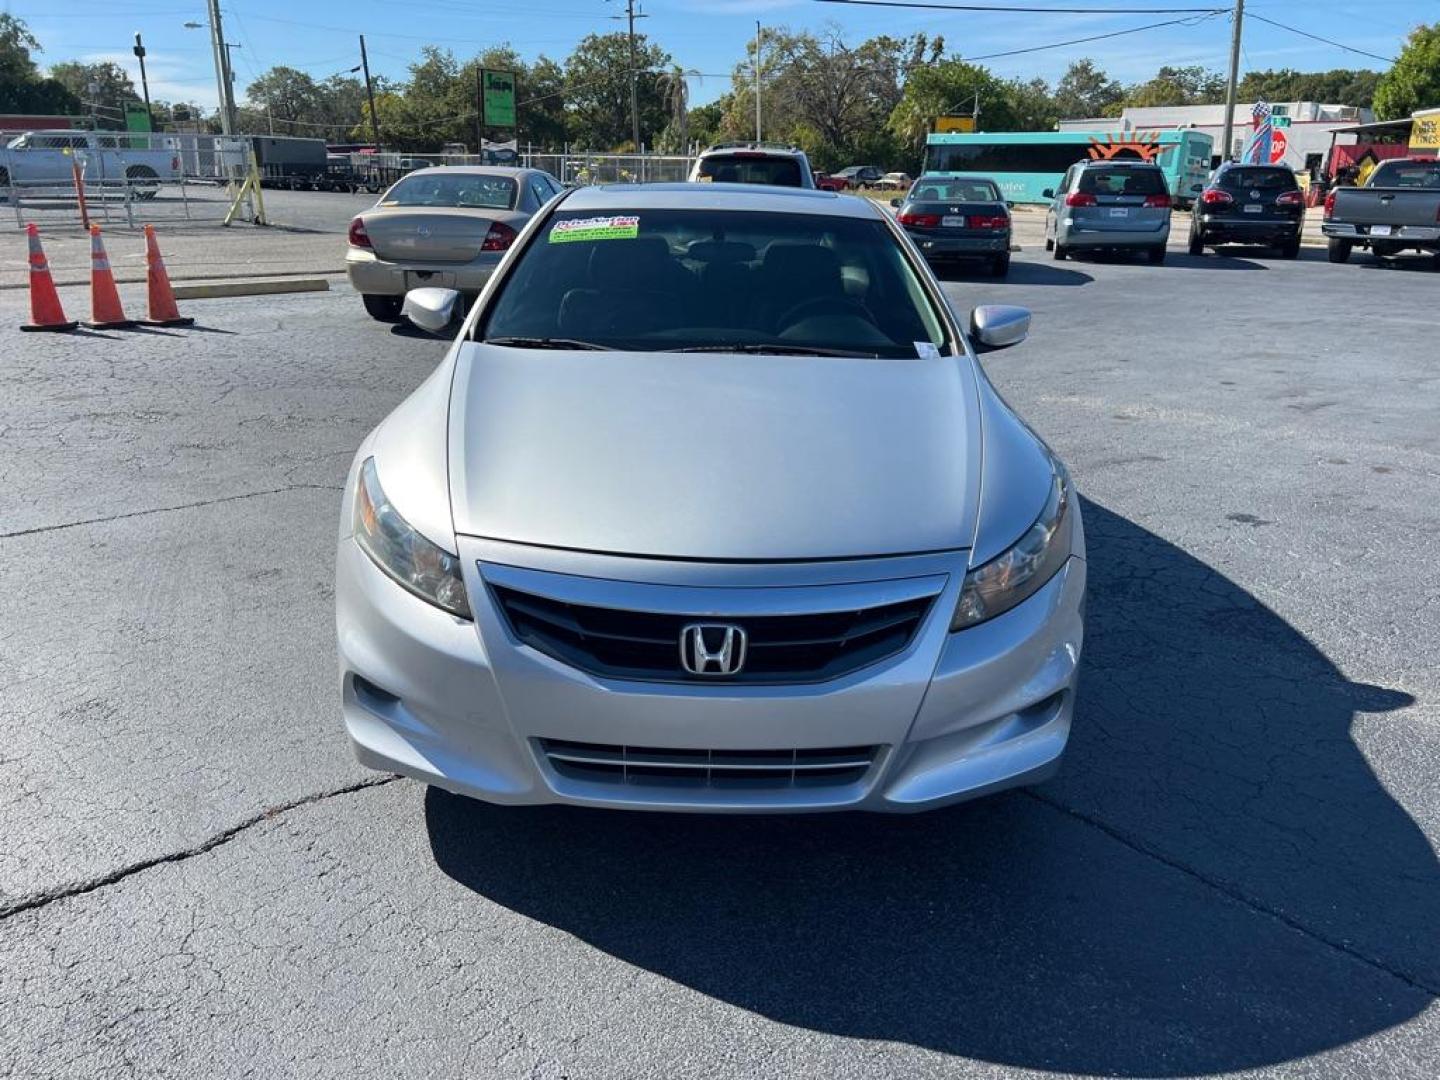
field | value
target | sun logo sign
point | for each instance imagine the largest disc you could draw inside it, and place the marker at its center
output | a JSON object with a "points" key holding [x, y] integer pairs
{"points": [[1131, 145]]}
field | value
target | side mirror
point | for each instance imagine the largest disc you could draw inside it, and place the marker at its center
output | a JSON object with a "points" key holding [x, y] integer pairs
{"points": [[432, 310], [1048, 193], [998, 326], [895, 203], [1009, 204]]}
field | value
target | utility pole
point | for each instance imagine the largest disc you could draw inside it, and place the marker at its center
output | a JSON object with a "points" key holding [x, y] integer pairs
{"points": [[139, 51], [1225, 150], [757, 80], [370, 94], [222, 70], [630, 15], [480, 113]]}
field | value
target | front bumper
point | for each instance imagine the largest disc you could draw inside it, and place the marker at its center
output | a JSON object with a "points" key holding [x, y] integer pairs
{"points": [[465, 706], [371, 275]]}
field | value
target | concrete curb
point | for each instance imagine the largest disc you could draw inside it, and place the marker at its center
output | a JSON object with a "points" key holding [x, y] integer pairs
{"points": [[130, 279], [209, 290]]}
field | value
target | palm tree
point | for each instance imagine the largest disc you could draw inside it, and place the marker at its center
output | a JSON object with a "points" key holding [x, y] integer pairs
{"points": [[674, 90]]}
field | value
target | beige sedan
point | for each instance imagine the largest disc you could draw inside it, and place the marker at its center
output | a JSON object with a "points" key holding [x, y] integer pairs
{"points": [[446, 227]]}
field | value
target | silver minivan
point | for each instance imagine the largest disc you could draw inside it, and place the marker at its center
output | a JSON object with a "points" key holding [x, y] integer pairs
{"points": [[1112, 205]]}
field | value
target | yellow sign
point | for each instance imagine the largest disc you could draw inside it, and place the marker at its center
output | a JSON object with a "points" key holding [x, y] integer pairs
{"points": [[944, 124], [1425, 134]]}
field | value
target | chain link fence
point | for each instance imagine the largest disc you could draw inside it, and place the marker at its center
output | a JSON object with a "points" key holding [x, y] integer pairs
{"points": [[121, 179]]}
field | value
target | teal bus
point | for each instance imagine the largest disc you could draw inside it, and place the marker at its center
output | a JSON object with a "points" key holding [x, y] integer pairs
{"points": [[1026, 163]]}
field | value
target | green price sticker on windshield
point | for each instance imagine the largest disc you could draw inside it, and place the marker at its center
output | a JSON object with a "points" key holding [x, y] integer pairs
{"points": [[618, 227]]}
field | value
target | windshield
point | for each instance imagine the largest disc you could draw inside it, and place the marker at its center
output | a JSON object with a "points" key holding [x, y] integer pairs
{"points": [[1257, 179], [1407, 174], [748, 169], [453, 189], [1122, 181], [941, 189], [717, 279]]}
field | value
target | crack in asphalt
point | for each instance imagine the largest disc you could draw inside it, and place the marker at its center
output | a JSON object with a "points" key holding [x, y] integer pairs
{"points": [[168, 509], [220, 839], [1141, 848]]}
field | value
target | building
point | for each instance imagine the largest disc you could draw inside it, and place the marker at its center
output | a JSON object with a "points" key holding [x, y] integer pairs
{"points": [[1302, 132], [17, 123]]}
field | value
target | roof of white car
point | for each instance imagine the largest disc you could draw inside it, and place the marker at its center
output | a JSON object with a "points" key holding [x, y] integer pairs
{"points": [[758, 197], [468, 170]]}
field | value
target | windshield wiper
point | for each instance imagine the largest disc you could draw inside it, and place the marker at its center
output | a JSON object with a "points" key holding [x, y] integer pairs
{"points": [[545, 343], [774, 349]]}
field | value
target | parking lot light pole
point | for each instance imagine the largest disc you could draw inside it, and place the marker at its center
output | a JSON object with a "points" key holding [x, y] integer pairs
{"points": [[1230, 86], [139, 52]]}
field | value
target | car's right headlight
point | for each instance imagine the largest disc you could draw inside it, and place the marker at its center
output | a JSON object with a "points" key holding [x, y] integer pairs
{"points": [[1019, 572], [428, 571]]}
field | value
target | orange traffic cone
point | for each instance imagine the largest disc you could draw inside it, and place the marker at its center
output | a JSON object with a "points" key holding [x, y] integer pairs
{"points": [[105, 310], [45, 310], [162, 310]]}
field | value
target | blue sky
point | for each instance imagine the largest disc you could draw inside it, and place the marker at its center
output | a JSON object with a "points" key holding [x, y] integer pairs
{"points": [[319, 36]]}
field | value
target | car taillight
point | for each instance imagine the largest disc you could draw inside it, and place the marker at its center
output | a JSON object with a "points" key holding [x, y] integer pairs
{"points": [[1080, 198], [358, 236], [1289, 198], [1158, 202], [920, 221], [175, 162], [1329, 205], [1216, 197], [500, 237], [988, 221]]}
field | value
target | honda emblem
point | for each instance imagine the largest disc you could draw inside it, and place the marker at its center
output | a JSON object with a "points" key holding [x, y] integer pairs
{"points": [[713, 648]]}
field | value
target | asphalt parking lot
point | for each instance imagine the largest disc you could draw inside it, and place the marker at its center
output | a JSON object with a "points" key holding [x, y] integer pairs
{"points": [[1236, 872]]}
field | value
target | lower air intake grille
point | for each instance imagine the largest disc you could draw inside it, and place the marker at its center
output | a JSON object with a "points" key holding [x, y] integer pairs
{"points": [[716, 769]]}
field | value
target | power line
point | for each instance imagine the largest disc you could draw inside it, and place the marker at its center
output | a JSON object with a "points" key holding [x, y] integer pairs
{"points": [[1080, 41], [1030, 9], [1313, 37]]}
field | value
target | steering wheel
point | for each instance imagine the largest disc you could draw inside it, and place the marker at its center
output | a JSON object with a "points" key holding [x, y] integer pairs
{"points": [[818, 305]]}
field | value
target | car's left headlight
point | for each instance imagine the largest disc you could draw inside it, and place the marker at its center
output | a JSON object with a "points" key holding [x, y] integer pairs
{"points": [[1019, 572], [428, 571]]}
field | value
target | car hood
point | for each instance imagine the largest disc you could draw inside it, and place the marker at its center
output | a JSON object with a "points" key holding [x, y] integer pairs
{"points": [[716, 457]]}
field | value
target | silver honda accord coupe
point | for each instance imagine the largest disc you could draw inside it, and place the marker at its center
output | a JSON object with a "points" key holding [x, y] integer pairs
{"points": [[710, 507]]}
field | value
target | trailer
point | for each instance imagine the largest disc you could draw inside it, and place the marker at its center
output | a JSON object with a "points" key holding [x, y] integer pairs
{"points": [[288, 162]]}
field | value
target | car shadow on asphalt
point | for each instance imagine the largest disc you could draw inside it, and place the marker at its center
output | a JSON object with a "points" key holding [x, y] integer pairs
{"points": [[1400, 264], [1021, 273], [1216, 881], [1173, 259]]}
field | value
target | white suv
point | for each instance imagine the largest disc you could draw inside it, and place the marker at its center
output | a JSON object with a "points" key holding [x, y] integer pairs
{"points": [[777, 164]]}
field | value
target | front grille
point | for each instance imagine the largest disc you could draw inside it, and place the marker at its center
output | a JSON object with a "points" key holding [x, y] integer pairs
{"points": [[765, 770], [619, 644]]}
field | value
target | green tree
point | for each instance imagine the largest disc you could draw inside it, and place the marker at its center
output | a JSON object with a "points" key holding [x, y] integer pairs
{"points": [[22, 90], [829, 97], [113, 88], [1341, 86], [1193, 85], [706, 121], [1085, 90], [597, 86], [1413, 82], [286, 97], [674, 87]]}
